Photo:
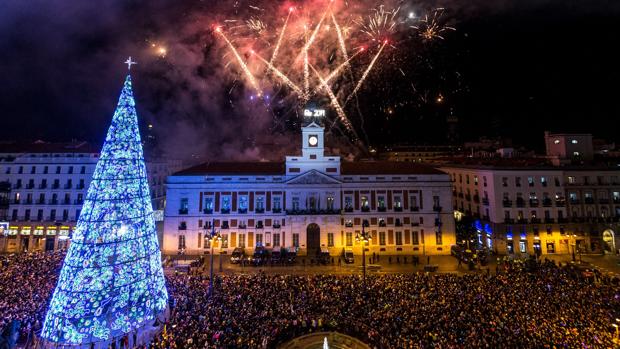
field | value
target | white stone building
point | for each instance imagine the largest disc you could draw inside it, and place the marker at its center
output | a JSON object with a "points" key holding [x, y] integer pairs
{"points": [[46, 186], [309, 202]]}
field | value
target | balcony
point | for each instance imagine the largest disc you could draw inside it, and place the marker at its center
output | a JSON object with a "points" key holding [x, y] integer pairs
{"points": [[30, 186], [79, 202], [16, 202], [603, 201], [259, 226], [549, 220], [28, 202], [242, 211], [276, 226], [467, 197], [398, 209], [183, 226], [348, 209], [381, 208], [68, 186], [522, 221], [486, 218], [312, 212], [477, 199], [55, 186], [382, 223], [575, 201], [54, 202], [276, 210], [414, 209], [415, 224], [547, 202], [485, 201], [260, 210], [535, 220], [533, 202], [562, 220], [398, 223], [616, 200], [42, 186], [461, 195], [207, 211], [242, 226], [437, 208], [438, 222], [560, 203], [80, 186], [66, 202], [520, 202], [225, 225], [183, 211], [41, 202], [509, 220], [507, 203], [365, 209], [17, 186], [589, 201]]}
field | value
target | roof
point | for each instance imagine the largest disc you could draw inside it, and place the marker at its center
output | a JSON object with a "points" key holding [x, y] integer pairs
{"points": [[47, 147], [234, 168], [386, 167]]}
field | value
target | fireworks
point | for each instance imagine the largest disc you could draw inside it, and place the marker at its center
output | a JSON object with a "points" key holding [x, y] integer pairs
{"points": [[311, 36], [431, 26]]}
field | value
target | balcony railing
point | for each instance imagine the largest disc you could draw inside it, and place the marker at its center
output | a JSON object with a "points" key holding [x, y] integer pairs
{"points": [[476, 199], [588, 200], [533, 202], [311, 212], [560, 203], [507, 203], [520, 203], [437, 208], [41, 202], [260, 226], [55, 186], [42, 186], [467, 197], [242, 210], [66, 202], [575, 201], [603, 201], [225, 225], [79, 202], [522, 221], [68, 186], [30, 186], [365, 209], [183, 211], [398, 209], [53, 202], [415, 208], [535, 220], [225, 211], [260, 210], [547, 202], [381, 208], [17, 186], [207, 211], [485, 201], [183, 226], [242, 226], [276, 226], [276, 210], [348, 209], [509, 220], [616, 200], [549, 220]]}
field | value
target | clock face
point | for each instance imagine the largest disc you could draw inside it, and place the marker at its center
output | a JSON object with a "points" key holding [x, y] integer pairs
{"points": [[313, 141]]}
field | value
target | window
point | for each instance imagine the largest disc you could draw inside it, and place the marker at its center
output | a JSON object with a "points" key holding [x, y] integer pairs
{"points": [[33, 170], [438, 237], [484, 181], [208, 204], [572, 179], [277, 204], [414, 201], [65, 215], [330, 239], [330, 202], [57, 169], [181, 242], [476, 180], [518, 181], [296, 203], [276, 240], [296, 240], [556, 141], [260, 203], [399, 238], [259, 240], [348, 203], [349, 239], [398, 202], [557, 181], [40, 215], [574, 141], [224, 240], [83, 170], [543, 181], [415, 239], [27, 215], [184, 206], [53, 215], [466, 179], [505, 181], [530, 181], [243, 203], [364, 202], [436, 201], [226, 203], [70, 169], [21, 170], [241, 240], [382, 238], [45, 169], [381, 202]]}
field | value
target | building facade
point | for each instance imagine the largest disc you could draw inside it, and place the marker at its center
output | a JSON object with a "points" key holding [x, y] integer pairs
{"points": [[47, 183], [545, 210], [310, 202]]}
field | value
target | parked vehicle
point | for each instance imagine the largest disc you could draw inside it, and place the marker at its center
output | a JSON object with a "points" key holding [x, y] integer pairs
{"points": [[348, 256], [322, 256], [277, 256], [260, 256], [291, 255], [237, 255]]}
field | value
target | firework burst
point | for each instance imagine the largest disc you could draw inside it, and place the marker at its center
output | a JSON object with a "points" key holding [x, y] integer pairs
{"points": [[431, 26]]}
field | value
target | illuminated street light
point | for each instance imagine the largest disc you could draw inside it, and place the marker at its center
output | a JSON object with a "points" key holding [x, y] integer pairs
{"points": [[213, 236], [364, 237]]}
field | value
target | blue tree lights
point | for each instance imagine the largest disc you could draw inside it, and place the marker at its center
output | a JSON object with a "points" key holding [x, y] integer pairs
{"points": [[111, 282]]}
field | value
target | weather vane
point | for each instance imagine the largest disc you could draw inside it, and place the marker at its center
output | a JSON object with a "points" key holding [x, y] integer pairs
{"points": [[129, 63]]}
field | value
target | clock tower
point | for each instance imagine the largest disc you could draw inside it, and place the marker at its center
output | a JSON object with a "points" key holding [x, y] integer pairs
{"points": [[313, 147]]}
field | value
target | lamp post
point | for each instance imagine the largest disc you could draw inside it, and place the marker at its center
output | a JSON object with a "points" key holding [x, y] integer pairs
{"points": [[213, 236], [364, 237]]}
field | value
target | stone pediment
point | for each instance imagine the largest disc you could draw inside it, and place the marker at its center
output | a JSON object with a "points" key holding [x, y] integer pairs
{"points": [[313, 177]]}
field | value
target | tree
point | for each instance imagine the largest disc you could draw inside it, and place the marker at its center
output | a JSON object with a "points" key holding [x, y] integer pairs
{"points": [[111, 282]]}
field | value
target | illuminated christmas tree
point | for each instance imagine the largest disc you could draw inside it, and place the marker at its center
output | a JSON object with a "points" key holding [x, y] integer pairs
{"points": [[111, 282]]}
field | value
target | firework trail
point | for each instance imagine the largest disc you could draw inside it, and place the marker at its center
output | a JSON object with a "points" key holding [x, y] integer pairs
{"points": [[339, 68], [281, 75], [365, 75], [274, 55], [242, 64], [334, 101], [341, 42], [306, 74], [380, 24]]}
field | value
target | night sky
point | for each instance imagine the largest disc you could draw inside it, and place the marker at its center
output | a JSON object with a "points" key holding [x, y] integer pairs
{"points": [[511, 69]]}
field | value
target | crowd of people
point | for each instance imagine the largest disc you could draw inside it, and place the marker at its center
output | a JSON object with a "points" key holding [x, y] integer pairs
{"points": [[550, 307], [27, 281], [519, 307]]}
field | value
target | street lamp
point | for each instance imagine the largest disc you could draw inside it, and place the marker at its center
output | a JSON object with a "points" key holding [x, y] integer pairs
{"points": [[212, 237], [364, 237]]}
